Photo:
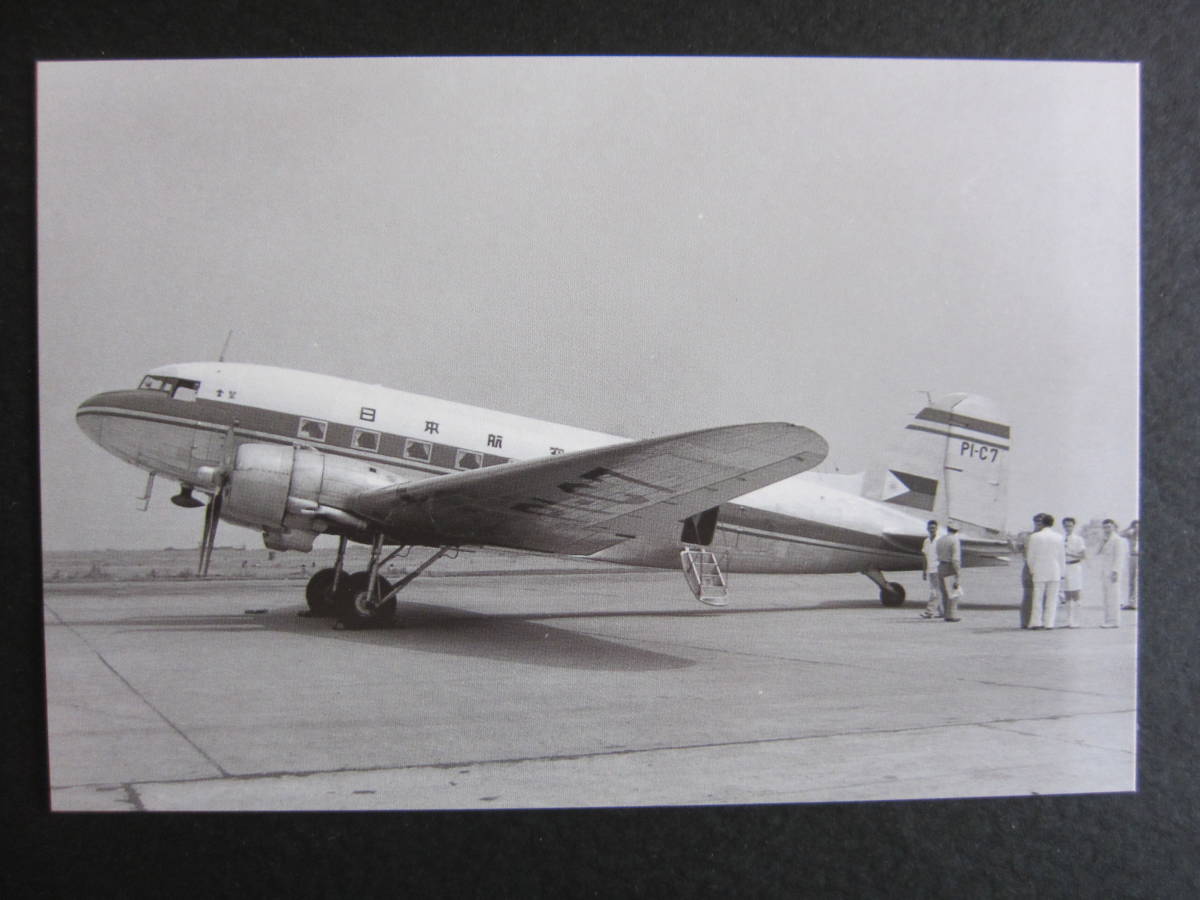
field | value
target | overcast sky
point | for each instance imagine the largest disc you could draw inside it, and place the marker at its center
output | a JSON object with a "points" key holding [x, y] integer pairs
{"points": [[639, 246]]}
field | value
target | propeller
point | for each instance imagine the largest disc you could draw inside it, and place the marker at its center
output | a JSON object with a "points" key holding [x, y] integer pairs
{"points": [[208, 538], [212, 512]]}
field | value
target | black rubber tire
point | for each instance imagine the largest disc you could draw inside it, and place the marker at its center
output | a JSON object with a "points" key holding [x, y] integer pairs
{"points": [[319, 593], [351, 612], [892, 595]]}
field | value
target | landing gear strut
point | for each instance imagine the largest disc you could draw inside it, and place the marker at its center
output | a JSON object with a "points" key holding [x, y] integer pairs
{"points": [[368, 600], [323, 586], [890, 592]]}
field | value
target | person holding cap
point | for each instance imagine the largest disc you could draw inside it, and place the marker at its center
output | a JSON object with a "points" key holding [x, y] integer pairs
{"points": [[948, 549]]}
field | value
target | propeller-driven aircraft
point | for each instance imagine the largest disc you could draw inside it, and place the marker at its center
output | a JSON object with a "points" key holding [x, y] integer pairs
{"points": [[295, 455]]}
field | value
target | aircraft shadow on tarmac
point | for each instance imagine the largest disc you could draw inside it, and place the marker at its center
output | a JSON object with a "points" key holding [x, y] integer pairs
{"points": [[442, 630], [507, 637]]}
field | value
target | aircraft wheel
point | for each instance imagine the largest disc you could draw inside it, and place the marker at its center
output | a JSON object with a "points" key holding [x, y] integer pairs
{"points": [[353, 607], [892, 595], [319, 593]]}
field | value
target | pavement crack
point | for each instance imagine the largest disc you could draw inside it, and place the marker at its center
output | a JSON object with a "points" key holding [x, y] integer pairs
{"points": [[601, 754], [1009, 726], [133, 690]]}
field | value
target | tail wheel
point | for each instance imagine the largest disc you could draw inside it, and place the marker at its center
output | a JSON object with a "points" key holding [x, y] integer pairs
{"points": [[319, 593], [356, 607], [892, 595]]}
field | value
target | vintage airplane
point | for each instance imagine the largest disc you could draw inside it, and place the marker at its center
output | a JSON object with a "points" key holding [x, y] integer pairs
{"points": [[295, 455]]}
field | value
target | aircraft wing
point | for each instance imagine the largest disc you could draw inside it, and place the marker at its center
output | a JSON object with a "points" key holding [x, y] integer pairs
{"points": [[582, 502]]}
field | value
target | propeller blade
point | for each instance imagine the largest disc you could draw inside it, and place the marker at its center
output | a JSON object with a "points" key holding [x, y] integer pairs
{"points": [[212, 514], [212, 518], [202, 568]]}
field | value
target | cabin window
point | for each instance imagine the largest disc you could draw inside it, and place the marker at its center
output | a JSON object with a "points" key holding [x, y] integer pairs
{"points": [[468, 460], [365, 440], [313, 429], [418, 450], [186, 389]]}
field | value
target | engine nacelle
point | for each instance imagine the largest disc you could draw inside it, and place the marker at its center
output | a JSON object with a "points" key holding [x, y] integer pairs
{"points": [[295, 493], [288, 540]]}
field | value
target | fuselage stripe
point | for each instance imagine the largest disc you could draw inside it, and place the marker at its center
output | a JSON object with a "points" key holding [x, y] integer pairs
{"points": [[945, 417], [215, 416], [814, 542], [956, 437], [200, 425]]}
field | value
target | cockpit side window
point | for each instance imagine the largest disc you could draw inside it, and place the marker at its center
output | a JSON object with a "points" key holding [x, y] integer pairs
{"points": [[155, 383], [179, 388], [186, 389]]}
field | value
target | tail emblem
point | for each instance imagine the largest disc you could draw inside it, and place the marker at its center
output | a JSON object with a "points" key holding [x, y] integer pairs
{"points": [[906, 489]]}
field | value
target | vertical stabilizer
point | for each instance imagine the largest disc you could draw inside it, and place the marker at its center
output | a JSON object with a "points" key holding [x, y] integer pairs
{"points": [[950, 463]]}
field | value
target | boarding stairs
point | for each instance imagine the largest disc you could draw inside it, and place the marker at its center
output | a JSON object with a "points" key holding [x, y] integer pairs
{"points": [[704, 576]]}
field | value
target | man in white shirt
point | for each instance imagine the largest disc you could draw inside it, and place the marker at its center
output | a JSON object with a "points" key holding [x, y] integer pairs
{"points": [[1076, 553], [1114, 560], [1131, 535], [1045, 555], [933, 606], [948, 551]]}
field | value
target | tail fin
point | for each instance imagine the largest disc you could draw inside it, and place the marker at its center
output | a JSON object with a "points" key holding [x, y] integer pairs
{"points": [[951, 463]]}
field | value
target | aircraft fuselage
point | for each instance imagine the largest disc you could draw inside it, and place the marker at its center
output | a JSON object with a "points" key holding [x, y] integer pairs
{"points": [[178, 424]]}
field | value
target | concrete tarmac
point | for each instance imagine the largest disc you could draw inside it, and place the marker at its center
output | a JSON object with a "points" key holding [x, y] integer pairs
{"points": [[571, 690]]}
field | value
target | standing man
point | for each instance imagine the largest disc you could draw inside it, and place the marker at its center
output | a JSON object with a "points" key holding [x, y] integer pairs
{"points": [[1045, 554], [933, 607], [949, 556], [1076, 553], [1131, 535], [1114, 559], [1026, 579]]}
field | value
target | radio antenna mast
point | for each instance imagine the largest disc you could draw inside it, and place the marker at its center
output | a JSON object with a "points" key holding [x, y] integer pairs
{"points": [[225, 346]]}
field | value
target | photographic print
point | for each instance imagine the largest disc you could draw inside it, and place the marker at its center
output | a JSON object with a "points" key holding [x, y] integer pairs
{"points": [[530, 432]]}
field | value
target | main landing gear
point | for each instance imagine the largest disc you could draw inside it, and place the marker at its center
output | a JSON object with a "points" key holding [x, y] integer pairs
{"points": [[361, 599], [890, 593]]}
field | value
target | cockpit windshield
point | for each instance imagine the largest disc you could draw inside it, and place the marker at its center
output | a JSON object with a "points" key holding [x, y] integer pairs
{"points": [[179, 388]]}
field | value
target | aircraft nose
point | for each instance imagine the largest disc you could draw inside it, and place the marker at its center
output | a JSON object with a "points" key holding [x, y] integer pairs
{"points": [[88, 417]]}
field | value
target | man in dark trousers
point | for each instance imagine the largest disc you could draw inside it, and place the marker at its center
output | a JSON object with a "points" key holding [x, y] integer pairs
{"points": [[1026, 575], [949, 557]]}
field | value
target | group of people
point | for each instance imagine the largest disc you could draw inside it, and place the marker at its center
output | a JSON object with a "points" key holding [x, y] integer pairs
{"points": [[943, 560], [1053, 572]]}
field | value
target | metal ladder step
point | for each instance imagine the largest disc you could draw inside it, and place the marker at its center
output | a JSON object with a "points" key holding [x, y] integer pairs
{"points": [[703, 574]]}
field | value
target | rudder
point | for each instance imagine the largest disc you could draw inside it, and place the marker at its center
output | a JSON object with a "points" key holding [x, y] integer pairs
{"points": [[949, 463]]}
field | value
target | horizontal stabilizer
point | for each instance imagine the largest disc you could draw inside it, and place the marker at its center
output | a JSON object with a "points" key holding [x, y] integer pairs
{"points": [[912, 542]]}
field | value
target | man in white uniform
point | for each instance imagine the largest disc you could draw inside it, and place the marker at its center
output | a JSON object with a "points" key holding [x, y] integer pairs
{"points": [[1045, 554], [1114, 559], [1131, 534], [933, 606], [1076, 553]]}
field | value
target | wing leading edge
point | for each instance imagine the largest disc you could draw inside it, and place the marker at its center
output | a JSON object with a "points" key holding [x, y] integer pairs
{"points": [[579, 503]]}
